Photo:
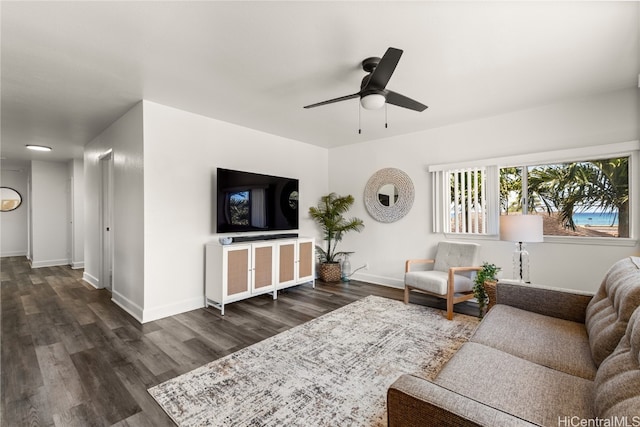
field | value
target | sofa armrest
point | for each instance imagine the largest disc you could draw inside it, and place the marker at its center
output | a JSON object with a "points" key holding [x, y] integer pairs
{"points": [[564, 304], [413, 402]]}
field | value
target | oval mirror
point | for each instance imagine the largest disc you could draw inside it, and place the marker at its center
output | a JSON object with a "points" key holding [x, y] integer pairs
{"points": [[10, 198], [388, 195]]}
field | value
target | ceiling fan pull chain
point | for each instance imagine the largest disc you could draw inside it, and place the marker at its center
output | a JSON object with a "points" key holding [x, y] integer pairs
{"points": [[359, 119], [386, 125]]}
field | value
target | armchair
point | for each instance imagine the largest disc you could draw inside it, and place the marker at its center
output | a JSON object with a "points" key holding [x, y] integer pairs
{"points": [[445, 279]]}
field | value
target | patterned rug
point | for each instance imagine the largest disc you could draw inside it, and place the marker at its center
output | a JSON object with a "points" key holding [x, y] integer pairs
{"points": [[332, 371]]}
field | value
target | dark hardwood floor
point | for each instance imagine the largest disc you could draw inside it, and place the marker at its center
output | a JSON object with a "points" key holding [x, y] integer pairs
{"points": [[70, 357]]}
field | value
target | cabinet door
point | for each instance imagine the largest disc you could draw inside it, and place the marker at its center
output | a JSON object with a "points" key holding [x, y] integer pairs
{"points": [[286, 264], [263, 268], [237, 271], [306, 260]]}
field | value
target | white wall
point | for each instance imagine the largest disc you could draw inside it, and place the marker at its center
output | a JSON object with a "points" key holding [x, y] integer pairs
{"points": [[13, 224], [76, 172], [603, 119], [125, 138], [181, 154], [50, 192]]}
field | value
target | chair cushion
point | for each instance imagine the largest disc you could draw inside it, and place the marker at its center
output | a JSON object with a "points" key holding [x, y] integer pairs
{"points": [[617, 383], [548, 341], [455, 254], [436, 281], [609, 311], [530, 391]]}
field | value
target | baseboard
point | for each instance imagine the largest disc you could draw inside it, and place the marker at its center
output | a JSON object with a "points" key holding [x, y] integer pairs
{"points": [[13, 253], [76, 265], [49, 263], [379, 280], [156, 313], [93, 281], [127, 305]]}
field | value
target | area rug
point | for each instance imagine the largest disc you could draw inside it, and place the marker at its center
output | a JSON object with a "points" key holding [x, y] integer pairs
{"points": [[331, 371]]}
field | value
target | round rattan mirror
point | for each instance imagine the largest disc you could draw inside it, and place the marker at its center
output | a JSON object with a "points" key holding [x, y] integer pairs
{"points": [[10, 199], [388, 195]]}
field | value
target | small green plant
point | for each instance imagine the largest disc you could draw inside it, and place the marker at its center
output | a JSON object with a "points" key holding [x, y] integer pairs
{"points": [[487, 273]]}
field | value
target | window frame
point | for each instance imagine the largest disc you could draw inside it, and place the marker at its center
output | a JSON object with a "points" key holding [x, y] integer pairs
{"points": [[629, 149]]}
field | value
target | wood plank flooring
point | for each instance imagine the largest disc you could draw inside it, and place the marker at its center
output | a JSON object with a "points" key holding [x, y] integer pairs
{"points": [[70, 357]]}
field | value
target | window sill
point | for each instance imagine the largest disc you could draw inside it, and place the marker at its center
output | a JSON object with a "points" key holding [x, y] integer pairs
{"points": [[595, 241], [471, 236]]}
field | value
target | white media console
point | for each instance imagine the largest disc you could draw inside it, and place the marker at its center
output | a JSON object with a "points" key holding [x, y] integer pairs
{"points": [[242, 270]]}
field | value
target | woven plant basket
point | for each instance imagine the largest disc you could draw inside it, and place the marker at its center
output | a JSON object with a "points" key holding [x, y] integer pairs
{"points": [[490, 289], [330, 272]]}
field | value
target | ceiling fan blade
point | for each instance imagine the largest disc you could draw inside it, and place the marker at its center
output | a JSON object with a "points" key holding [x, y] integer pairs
{"points": [[331, 101], [385, 68], [405, 102]]}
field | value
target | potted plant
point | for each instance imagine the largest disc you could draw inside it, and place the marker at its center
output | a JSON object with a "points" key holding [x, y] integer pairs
{"points": [[329, 216], [484, 286]]}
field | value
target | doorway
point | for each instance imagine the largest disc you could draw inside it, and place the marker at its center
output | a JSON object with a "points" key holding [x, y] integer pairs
{"points": [[106, 221]]}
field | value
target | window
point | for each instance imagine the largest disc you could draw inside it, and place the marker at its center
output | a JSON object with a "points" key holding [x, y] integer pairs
{"points": [[463, 200], [467, 201], [586, 198], [238, 207], [581, 193]]}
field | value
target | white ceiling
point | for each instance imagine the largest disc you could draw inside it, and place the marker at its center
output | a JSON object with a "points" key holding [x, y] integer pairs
{"points": [[69, 69]]}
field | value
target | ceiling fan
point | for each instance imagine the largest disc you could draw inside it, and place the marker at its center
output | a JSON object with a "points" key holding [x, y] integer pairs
{"points": [[373, 93]]}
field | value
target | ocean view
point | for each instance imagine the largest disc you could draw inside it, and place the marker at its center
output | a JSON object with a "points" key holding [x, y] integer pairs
{"points": [[596, 218]]}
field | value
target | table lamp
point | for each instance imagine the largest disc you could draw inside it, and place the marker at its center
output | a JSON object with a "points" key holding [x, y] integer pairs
{"points": [[521, 229]]}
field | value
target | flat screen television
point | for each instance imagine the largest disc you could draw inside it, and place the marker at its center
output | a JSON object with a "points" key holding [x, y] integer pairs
{"points": [[254, 202]]}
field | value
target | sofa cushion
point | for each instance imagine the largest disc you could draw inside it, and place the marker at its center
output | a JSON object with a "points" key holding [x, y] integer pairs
{"points": [[530, 391], [548, 341], [436, 281], [415, 402], [617, 383], [611, 307]]}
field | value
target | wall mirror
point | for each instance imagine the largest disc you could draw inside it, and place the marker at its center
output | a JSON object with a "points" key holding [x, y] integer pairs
{"points": [[388, 195], [10, 199]]}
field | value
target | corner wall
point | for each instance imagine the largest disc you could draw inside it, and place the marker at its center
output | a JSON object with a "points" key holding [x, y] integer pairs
{"points": [[50, 213], [607, 118], [76, 172], [181, 153], [125, 138]]}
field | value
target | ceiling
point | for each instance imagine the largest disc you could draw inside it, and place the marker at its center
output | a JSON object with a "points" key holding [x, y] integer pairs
{"points": [[69, 69]]}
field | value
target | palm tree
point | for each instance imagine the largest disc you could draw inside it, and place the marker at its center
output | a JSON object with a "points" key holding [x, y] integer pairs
{"points": [[601, 185], [510, 182], [328, 215]]}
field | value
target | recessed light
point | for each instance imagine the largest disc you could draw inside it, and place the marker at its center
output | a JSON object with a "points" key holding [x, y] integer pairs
{"points": [[38, 147]]}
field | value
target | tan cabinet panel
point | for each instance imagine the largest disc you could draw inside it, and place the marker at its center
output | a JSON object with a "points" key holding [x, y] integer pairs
{"points": [[263, 267], [237, 268], [306, 259], [287, 263]]}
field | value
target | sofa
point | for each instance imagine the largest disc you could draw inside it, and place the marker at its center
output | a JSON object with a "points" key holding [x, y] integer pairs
{"points": [[541, 356]]}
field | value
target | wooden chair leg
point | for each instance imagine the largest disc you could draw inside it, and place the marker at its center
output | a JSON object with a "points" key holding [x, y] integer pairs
{"points": [[450, 295], [449, 308], [406, 294]]}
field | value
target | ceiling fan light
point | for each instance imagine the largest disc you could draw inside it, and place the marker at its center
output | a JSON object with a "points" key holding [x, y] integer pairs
{"points": [[38, 147], [373, 101]]}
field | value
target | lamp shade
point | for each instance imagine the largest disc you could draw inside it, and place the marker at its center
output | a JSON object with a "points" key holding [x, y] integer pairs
{"points": [[521, 228]]}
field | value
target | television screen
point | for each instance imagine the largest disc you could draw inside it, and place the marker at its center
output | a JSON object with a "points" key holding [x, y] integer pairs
{"points": [[254, 202]]}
